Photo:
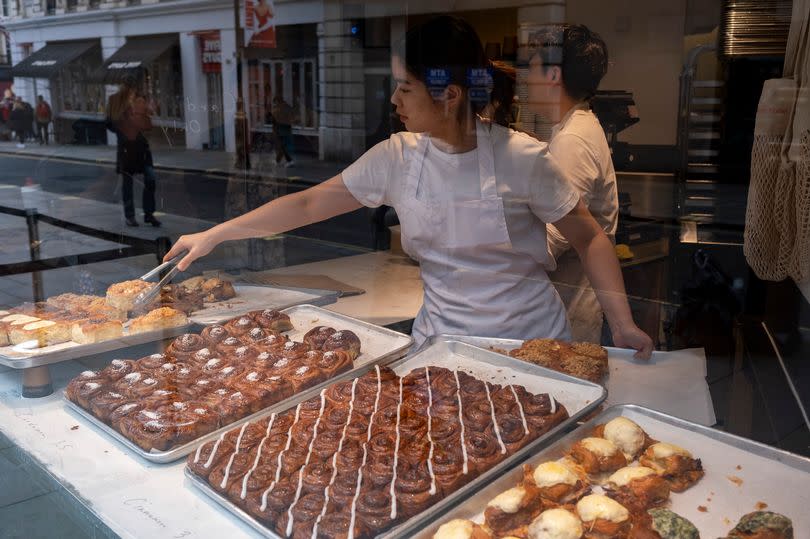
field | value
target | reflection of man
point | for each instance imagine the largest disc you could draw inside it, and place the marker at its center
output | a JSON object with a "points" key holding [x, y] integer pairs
{"points": [[564, 73]]}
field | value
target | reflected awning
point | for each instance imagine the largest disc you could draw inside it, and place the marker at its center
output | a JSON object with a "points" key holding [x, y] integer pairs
{"points": [[47, 61], [133, 57]]}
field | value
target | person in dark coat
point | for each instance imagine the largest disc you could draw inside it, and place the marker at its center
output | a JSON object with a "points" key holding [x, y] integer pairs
{"points": [[16, 121], [128, 117]]}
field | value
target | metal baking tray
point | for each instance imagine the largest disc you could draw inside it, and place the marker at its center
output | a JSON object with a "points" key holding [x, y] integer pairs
{"points": [[378, 345], [249, 297], [578, 396], [740, 474]]}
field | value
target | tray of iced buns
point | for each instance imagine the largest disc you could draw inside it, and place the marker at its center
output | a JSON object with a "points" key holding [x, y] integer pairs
{"points": [[384, 448]]}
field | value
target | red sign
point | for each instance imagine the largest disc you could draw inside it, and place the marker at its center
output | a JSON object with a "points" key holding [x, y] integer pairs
{"points": [[260, 30], [211, 52]]}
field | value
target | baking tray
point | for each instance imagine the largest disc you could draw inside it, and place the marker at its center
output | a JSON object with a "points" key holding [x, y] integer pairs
{"points": [[767, 475], [378, 345], [578, 396], [673, 382], [266, 297]]}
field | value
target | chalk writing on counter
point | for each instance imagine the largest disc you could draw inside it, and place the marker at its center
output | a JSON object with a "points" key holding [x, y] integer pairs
{"points": [[30, 422], [139, 504]]}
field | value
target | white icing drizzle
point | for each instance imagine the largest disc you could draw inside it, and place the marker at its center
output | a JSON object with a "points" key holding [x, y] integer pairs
{"points": [[353, 512], [263, 507], [430, 437], [233, 455], [213, 452], [461, 422], [494, 420], [392, 490], [334, 464], [553, 404], [290, 517], [258, 456], [520, 407]]}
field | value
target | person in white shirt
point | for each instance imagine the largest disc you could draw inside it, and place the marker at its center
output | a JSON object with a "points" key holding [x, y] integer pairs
{"points": [[565, 69], [473, 201]]}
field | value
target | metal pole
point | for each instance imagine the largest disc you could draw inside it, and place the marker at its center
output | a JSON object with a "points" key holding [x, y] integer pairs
{"points": [[36, 381], [242, 155]]}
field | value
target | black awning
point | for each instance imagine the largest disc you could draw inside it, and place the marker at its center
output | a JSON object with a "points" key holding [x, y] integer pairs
{"points": [[47, 61], [5, 73], [133, 57]]}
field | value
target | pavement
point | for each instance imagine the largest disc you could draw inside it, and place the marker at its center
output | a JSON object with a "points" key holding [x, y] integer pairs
{"points": [[307, 168]]}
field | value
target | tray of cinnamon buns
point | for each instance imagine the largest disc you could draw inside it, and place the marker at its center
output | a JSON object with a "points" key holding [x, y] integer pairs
{"points": [[163, 405], [634, 473], [386, 446]]}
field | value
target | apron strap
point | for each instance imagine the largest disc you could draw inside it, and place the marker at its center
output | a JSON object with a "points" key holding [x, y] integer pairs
{"points": [[486, 163]]}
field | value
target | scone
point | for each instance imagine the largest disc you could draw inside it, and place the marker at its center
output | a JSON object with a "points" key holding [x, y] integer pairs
{"points": [[122, 295], [162, 318], [93, 330], [43, 332], [216, 289]]}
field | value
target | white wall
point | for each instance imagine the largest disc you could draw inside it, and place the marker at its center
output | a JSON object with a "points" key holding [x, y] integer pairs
{"points": [[645, 44]]}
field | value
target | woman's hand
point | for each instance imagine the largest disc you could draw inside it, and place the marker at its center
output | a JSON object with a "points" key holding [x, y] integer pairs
{"points": [[197, 245], [631, 336]]}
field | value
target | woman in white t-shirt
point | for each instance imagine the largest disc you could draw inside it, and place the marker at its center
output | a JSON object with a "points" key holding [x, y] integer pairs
{"points": [[473, 200]]}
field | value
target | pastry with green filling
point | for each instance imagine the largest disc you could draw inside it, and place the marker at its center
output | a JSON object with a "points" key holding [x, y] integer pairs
{"points": [[762, 525], [662, 524]]}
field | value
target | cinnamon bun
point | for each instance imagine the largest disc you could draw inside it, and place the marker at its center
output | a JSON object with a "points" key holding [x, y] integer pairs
{"points": [[343, 340], [185, 346], [316, 336], [270, 319], [214, 334]]}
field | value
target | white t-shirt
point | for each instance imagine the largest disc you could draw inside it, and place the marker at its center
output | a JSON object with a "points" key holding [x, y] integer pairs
{"points": [[528, 179], [579, 145]]}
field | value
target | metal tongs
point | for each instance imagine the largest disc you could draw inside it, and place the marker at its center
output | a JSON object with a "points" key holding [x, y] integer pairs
{"points": [[145, 297]]}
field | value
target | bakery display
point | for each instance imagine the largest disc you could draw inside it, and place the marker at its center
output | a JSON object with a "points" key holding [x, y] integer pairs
{"points": [[762, 525], [370, 452], [87, 319], [613, 488], [202, 381], [582, 360]]}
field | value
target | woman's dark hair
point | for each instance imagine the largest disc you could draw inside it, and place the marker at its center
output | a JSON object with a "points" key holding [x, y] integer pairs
{"points": [[580, 53], [451, 44]]}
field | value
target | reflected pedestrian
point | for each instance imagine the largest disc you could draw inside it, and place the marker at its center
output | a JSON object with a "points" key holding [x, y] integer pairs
{"points": [[16, 120], [283, 118], [43, 118]]}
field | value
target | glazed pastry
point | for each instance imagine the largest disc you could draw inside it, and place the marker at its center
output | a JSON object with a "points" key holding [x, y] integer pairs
{"points": [[603, 518], [241, 326], [270, 319], [637, 488], [461, 529], [597, 456], [316, 336], [82, 388], [662, 524], [117, 369], [343, 340], [555, 524], [762, 525], [674, 463], [184, 347], [626, 434], [513, 510], [559, 482], [214, 334]]}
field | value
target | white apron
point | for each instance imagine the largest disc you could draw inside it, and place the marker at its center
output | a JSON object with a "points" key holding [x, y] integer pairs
{"points": [[475, 282]]}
